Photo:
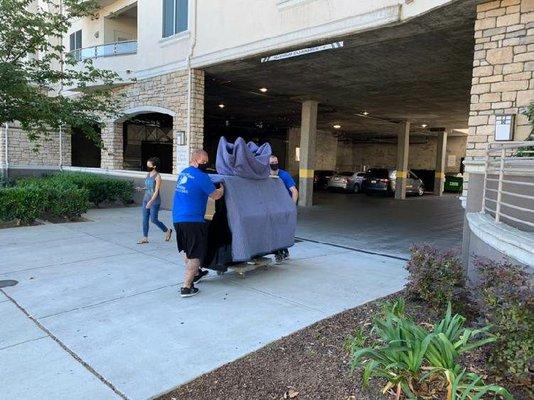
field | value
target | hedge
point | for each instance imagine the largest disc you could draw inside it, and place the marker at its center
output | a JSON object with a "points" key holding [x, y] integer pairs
{"points": [[64, 195]]}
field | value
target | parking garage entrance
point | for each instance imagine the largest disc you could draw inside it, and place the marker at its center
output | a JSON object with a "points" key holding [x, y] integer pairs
{"points": [[394, 98]]}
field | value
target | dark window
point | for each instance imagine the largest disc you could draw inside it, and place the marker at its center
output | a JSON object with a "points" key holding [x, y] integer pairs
{"points": [[378, 173], [175, 18], [346, 173], [76, 40]]}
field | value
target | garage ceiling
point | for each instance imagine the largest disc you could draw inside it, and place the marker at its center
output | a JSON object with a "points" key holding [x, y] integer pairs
{"points": [[418, 70]]}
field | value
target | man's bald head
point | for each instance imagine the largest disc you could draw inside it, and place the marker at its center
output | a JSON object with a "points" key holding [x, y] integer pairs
{"points": [[199, 156]]}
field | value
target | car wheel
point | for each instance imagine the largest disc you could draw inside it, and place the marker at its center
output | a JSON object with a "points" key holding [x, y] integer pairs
{"points": [[421, 190], [356, 188]]}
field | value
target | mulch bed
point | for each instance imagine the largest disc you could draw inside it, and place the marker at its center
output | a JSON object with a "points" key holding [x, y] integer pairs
{"points": [[312, 363]]}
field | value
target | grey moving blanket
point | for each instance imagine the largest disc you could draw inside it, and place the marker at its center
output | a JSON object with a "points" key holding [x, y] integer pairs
{"points": [[261, 216], [246, 160]]}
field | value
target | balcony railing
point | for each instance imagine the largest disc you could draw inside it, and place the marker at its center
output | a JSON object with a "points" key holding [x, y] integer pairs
{"points": [[105, 50], [508, 194]]}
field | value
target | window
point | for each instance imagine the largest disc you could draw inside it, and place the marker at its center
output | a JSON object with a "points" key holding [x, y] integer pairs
{"points": [[76, 40], [174, 17]]}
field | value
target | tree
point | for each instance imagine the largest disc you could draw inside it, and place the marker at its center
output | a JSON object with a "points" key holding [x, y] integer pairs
{"points": [[35, 69]]}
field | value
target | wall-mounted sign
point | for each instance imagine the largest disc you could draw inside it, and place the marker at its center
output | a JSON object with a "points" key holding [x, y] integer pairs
{"points": [[301, 52], [180, 138], [504, 127], [451, 160]]}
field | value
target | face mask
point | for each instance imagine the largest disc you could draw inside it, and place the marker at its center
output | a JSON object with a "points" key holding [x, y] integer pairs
{"points": [[203, 167], [150, 169], [274, 167]]}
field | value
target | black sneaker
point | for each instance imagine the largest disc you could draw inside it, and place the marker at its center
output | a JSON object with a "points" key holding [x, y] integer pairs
{"points": [[201, 274], [188, 292]]}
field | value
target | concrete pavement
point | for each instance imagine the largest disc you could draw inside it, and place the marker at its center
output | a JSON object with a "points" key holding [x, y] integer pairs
{"points": [[95, 315], [382, 224]]}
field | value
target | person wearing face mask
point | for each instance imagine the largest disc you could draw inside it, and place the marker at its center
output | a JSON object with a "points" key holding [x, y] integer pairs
{"points": [[152, 200], [291, 187], [193, 187]]}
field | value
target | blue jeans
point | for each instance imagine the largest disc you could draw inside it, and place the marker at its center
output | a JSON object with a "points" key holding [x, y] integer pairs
{"points": [[152, 214]]}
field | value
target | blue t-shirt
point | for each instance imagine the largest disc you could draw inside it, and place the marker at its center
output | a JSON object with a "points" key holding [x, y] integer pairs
{"points": [[191, 195], [287, 179]]}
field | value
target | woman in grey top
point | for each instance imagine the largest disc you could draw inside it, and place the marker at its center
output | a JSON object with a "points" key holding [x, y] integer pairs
{"points": [[152, 200]]}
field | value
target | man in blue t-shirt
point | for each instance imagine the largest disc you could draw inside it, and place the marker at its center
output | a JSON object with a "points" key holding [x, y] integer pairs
{"points": [[193, 187], [289, 183]]}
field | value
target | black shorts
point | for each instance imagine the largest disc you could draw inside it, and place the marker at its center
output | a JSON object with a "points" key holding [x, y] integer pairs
{"points": [[192, 239]]}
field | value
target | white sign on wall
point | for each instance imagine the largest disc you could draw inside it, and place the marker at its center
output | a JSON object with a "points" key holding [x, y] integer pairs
{"points": [[301, 52], [182, 157], [451, 160], [504, 127]]}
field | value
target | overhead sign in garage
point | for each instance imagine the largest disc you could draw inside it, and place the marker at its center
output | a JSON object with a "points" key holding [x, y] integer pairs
{"points": [[301, 52]]}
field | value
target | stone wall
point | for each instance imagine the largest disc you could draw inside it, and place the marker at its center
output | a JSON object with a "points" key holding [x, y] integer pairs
{"points": [[502, 71], [43, 152], [325, 153], [346, 156], [168, 92], [356, 156]]}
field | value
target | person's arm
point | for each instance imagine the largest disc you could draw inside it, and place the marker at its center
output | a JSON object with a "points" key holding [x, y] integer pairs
{"points": [[218, 193], [294, 194], [156, 192]]}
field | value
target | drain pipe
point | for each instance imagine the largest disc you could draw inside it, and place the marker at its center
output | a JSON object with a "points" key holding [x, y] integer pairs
{"points": [[189, 75], [60, 147], [6, 151]]}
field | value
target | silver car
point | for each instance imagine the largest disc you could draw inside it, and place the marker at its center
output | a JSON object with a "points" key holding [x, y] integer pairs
{"points": [[348, 181], [384, 180]]}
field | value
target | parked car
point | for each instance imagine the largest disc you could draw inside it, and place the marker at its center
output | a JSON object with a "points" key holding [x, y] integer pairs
{"points": [[321, 178], [348, 181], [383, 180]]}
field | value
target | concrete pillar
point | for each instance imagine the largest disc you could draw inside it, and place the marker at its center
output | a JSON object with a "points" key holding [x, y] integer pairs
{"points": [[441, 152], [403, 150], [308, 138], [112, 155]]}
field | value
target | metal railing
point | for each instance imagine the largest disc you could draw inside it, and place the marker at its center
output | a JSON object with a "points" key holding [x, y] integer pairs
{"points": [[105, 50], [508, 193]]}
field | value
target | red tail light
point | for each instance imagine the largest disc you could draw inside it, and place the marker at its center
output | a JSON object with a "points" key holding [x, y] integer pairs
{"points": [[384, 180]]}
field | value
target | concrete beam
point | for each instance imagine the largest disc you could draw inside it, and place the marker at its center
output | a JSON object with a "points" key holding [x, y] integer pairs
{"points": [[441, 152], [403, 150], [308, 138]]}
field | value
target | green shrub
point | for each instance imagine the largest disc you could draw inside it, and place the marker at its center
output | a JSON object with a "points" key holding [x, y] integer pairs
{"points": [[419, 363], [100, 188], [22, 203], [65, 200], [436, 277], [507, 302]]}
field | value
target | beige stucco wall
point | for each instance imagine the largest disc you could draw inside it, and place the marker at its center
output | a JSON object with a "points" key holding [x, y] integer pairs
{"points": [[223, 32]]}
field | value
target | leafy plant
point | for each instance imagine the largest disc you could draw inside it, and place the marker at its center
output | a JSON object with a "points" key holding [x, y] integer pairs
{"points": [[34, 68], [436, 277], [418, 363], [507, 302]]}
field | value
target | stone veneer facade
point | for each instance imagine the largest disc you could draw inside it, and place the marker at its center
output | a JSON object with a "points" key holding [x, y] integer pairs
{"points": [[42, 153], [170, 92], [502, 71]]}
